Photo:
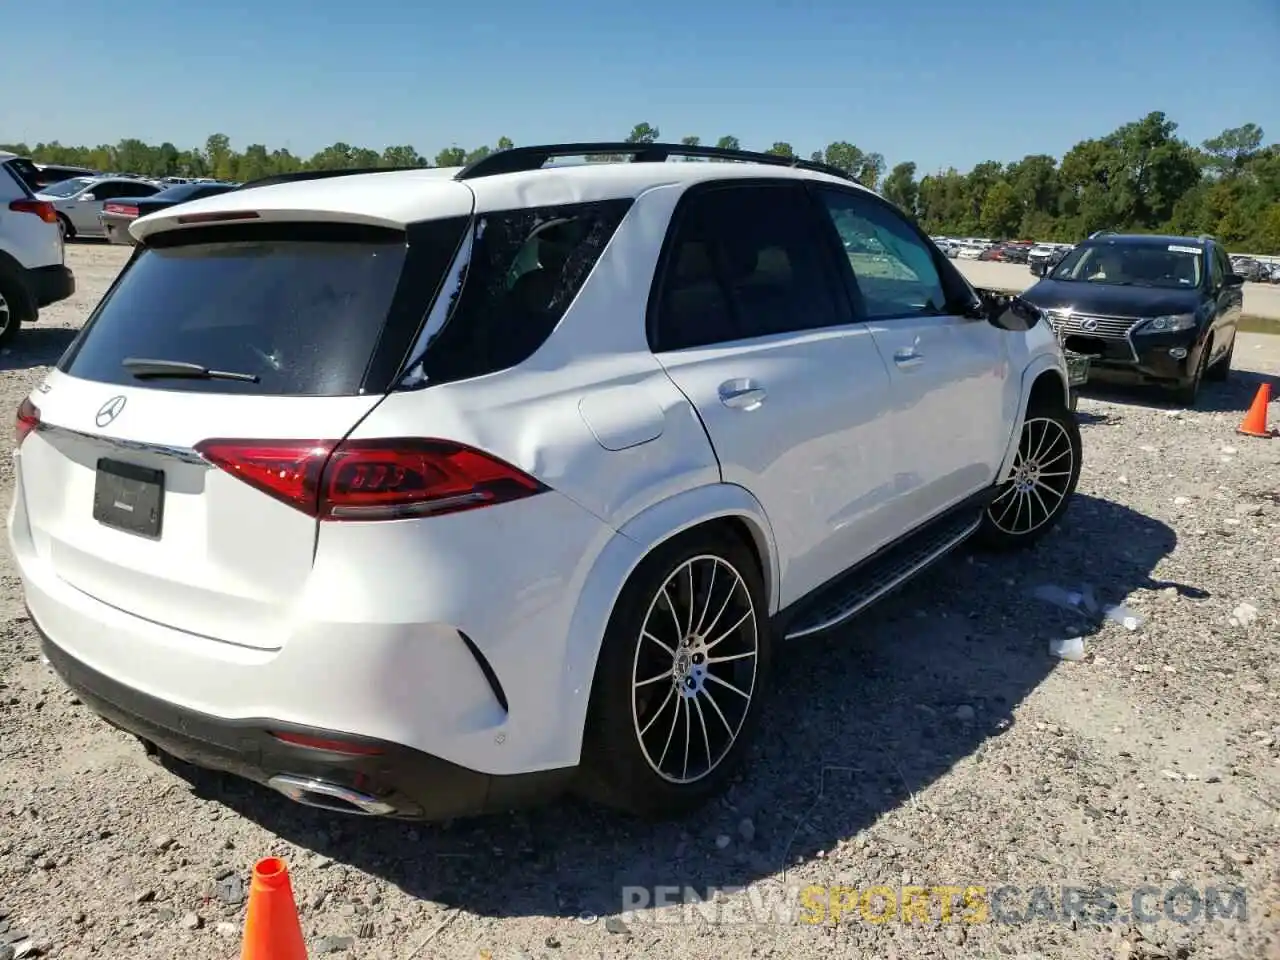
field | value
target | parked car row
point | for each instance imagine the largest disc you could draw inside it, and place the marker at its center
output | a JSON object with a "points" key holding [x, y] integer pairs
{"points": [[1256, 271]]}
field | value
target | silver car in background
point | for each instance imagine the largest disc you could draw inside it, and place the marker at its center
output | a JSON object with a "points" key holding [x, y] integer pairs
{"points": [[79, 201]]}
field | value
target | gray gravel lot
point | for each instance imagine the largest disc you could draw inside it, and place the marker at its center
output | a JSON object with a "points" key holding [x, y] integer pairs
{"points": [[936, 742]]}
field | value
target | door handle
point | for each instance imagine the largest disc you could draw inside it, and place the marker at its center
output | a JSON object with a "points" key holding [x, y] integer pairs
{"points": [[907, 358], [742, 394]]}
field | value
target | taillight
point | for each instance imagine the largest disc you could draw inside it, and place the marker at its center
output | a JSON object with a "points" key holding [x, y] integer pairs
{"points": [[41, 208], [371, 479], [28, 420], [124, 210]]}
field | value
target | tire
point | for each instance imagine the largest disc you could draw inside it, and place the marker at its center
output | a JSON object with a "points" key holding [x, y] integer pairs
{"points": [[1222, 369], [15, 305], [1187, 393], [659, 748], [64, 224], [1046, 472]]}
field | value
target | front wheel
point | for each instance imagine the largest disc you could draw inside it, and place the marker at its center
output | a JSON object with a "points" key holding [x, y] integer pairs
{"points": [[1222, 369], [680, 677], [1046, 470]]}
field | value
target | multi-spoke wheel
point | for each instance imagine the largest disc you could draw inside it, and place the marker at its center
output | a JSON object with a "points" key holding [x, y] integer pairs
{"points": [[1046, 469], [694, 671], [679, 676]]}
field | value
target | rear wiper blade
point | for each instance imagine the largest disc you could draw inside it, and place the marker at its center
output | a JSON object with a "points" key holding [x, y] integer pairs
{"points": [[143, 369]]}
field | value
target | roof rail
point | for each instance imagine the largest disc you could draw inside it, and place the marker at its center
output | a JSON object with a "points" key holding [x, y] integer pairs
{"points": [[317, 175], [1102, 233], [520, 159], [1206, 237]]}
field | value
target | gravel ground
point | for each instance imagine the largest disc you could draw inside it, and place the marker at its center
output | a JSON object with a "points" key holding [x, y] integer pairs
{"points": [[937, 742]]}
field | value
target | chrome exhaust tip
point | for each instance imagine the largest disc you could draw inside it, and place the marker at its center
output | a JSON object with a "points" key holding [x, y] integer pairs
{"points": [[311, 792]]}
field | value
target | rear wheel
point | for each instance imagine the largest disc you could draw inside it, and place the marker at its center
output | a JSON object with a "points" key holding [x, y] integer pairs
{"points": [[64, 224], [15, 305], [1046, 470], [680, 677]]}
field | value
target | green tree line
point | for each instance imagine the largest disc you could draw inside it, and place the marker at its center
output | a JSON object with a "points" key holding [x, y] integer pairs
{"points": [[1140, 177]]}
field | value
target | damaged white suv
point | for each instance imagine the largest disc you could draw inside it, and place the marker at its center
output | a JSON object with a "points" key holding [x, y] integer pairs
{"points": [[426, 493]]}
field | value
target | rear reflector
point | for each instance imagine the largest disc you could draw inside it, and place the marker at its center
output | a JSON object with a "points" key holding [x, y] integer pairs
{"points": [[330, 746], [121, 209], [219, 217], [371, 479], [41, 208], [28, 420]]}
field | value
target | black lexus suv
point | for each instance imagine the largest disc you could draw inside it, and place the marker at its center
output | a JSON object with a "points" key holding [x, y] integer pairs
{"points": [[1148, 309]]}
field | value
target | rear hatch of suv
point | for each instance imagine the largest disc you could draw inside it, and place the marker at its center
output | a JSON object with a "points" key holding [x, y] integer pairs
{"points": [[254, 347]]}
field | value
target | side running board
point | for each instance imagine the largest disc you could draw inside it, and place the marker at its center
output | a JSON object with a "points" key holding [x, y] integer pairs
{"points": [[882, 572]]}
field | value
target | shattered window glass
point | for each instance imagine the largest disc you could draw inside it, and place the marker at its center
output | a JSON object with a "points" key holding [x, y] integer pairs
{"points": [[525, 268]]}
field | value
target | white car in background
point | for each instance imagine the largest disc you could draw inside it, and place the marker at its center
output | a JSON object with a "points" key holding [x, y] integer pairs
{"points": [[33, 271], [79, 201], [427, 493]]}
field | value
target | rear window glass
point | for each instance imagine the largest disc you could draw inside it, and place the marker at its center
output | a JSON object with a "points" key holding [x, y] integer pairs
{"points": [[302, 316]]}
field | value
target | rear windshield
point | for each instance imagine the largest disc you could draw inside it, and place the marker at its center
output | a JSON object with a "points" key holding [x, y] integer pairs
{"points": [[303, 316]]}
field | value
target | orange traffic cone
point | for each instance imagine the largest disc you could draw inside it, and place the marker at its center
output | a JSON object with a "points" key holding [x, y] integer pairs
{"points": [[271, 927], [1255, 421]]}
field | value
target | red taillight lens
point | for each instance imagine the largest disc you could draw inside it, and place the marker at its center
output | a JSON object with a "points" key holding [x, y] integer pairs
{"points": [[372, 479], [41, 208], [121, 209], [28, 420], [327, 745]]}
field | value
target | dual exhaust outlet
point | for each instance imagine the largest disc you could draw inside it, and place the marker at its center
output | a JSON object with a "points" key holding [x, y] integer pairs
{"points": [[323, 795]]}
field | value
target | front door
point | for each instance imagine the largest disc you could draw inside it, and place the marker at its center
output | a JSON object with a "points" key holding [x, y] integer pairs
{"points": [[751, 324], [954, 397]]}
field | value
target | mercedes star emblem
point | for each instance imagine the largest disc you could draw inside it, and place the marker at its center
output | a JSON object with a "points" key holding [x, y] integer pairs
{"points": [[109, 411]]}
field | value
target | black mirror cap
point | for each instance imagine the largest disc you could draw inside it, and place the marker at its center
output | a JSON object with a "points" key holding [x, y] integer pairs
{"points": [[1233, 280], [1009, 311]]}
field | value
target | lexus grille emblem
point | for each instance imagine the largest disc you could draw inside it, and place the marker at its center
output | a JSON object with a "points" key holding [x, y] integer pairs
{"points": [[109, 411], [1090, 325]]}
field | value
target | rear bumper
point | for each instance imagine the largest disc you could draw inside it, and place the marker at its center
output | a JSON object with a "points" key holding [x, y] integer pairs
{"points": [[413, 784], [116, 229], [50, 284]]}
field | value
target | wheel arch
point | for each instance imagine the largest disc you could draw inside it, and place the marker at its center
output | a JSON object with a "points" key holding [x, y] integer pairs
{"points": [[723, 505], [1044, 381], [11, 268]]}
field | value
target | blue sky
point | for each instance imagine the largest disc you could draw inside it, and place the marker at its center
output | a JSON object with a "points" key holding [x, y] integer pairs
{"points": [[941, 82]]}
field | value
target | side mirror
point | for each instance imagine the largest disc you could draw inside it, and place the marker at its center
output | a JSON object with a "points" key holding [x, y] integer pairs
{"points": [[1233, 280], [87, 197], [1011, 312]]}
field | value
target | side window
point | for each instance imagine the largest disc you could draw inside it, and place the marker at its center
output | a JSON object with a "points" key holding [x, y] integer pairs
{"points": [[744, 261], [108, 190], [1221, 267], [526, 266], [893, 268]]}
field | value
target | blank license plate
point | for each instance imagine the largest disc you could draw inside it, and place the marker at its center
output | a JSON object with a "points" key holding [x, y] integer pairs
{"points": [[130, 498]]}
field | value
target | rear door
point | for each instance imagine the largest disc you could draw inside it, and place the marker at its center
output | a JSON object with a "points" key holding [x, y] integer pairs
{"points": [[954, 397], [118, 503], [750, 324]]}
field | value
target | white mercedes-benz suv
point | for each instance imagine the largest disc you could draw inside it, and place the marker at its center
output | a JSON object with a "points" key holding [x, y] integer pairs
{"points": [[428, 493]]}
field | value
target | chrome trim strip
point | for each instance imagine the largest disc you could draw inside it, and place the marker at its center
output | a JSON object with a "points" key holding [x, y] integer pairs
{"points": [[893, 584], [184, 454]]}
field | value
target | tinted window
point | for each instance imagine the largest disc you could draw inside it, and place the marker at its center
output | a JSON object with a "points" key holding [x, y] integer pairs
{"points": [[1217, 269], [526, 267], [302, 315], [744, 261], [893, 267]]}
